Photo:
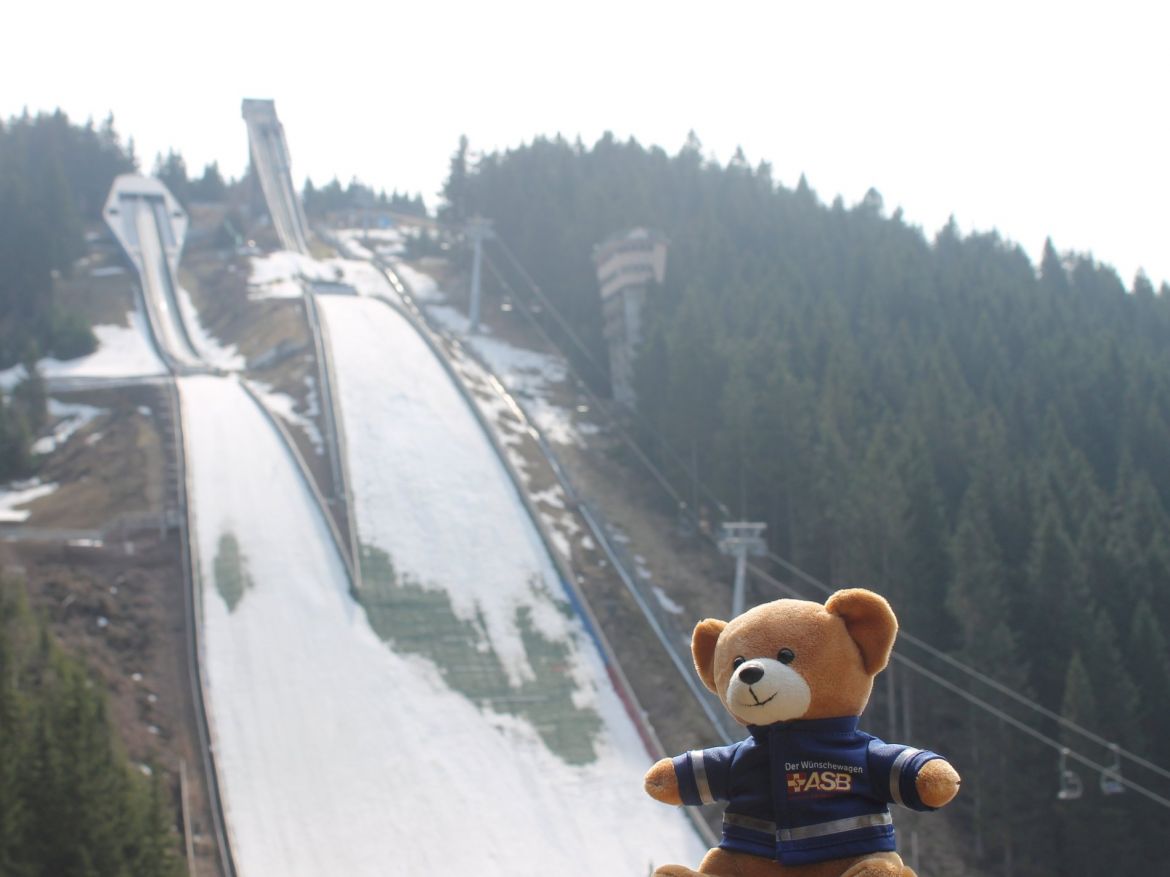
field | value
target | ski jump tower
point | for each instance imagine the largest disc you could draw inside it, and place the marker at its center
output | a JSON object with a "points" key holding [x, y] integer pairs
{"points": [[270, 163], [151, 226]]}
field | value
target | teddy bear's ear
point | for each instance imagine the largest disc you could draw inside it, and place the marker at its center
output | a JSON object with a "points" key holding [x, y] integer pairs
{"points": [[703, 642], [870, 621]]}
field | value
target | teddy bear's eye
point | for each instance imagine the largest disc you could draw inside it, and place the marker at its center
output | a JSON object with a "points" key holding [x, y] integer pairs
{"points": [[739, 660], [786, 656]]}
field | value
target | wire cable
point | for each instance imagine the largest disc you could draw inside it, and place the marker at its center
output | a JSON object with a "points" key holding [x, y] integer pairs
{"points": [[989, 681], [1027, 729]]}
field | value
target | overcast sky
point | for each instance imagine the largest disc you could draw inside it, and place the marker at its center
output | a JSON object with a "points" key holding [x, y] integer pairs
{"points": [[1037, 119]]}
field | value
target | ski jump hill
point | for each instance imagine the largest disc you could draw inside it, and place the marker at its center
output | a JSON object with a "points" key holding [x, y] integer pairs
{"points": [[426, 696]]}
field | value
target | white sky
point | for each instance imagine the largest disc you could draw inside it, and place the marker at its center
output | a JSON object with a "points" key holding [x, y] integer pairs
{"points": [[1034, 118]]}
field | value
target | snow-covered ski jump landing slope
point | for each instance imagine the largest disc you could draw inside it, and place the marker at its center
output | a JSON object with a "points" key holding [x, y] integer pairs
{"points": [[458, 718]]}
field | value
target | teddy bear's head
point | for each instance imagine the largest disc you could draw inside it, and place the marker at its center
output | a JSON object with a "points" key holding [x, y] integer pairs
{"points": [[794, 659]]}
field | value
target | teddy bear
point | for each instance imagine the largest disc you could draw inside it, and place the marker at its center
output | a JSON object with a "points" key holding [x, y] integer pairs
{"points": [[806, 792]]}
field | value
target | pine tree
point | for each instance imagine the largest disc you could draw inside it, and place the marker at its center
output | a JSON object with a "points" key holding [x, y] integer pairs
{"points": [[1149, 664], [1055, 613], [455, 209], [171, 170]]}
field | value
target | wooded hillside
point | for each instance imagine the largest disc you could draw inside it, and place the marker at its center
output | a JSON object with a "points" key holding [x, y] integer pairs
{"points": [[54, 177], [982, 439], [69, 802]]}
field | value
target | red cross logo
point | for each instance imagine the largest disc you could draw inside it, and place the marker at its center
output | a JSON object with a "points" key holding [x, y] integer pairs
{"points": [[795, 783]]}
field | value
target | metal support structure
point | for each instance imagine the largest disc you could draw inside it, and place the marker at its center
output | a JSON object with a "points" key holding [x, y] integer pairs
{"points": [[740, 539], [478, 230]]}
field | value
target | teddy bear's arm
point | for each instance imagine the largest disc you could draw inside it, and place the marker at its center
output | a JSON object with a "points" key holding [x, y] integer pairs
{"points": [[937, 783], [661, 783]]}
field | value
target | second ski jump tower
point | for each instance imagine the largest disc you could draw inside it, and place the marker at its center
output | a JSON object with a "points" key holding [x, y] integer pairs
{"points": [[270, 163]]}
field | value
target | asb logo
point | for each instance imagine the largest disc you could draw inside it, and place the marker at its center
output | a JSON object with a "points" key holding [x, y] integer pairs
{"points": [[819, 782]]}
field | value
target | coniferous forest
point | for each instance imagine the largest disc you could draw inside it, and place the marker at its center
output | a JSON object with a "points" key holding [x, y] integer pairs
{"points": [[54, 176], [982, 439], [69, 802]]}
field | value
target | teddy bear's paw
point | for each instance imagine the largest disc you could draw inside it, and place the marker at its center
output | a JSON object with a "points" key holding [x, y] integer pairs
{"points": [[879, 868], [937, 783], [661, 783]]}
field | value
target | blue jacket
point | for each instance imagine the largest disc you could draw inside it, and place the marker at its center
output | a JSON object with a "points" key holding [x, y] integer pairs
{"points": [[805, 791]]}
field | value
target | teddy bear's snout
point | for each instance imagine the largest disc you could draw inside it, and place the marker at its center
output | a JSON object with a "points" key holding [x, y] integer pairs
{"points": [[750, 674]]}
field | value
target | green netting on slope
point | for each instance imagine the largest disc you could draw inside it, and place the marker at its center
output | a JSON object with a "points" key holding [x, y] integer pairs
{"points": [[422, 621], [231, 571]]}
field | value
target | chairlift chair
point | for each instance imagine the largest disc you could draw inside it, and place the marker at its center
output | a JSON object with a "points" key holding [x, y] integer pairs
{"points": [[1111, 776], [1071, 786]]}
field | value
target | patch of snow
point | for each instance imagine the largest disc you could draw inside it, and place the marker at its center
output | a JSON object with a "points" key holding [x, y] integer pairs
{"points": [[69, 419], [312, 403], [279, 274], [665, 602], [363, 276], [554, 422], [641, 569], [388, 235], [560, 541], [354, 248], [107, 271], [569, 525], [209, 348], [422, 286], [553, 496], [284, 406], [450, 319], [526, 374], [388, 243], [21, 493], [122, 352]]}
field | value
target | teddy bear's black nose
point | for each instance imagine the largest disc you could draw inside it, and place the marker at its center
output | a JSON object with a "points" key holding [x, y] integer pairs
{"points": [[751, 675]]}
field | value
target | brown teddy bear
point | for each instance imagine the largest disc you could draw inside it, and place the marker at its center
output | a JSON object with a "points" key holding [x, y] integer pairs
{"points": [[807, 791]]}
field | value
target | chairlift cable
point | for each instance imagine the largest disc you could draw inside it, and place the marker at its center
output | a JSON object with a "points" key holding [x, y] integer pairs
{"points": [[980, 676], [1028, 729]]}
